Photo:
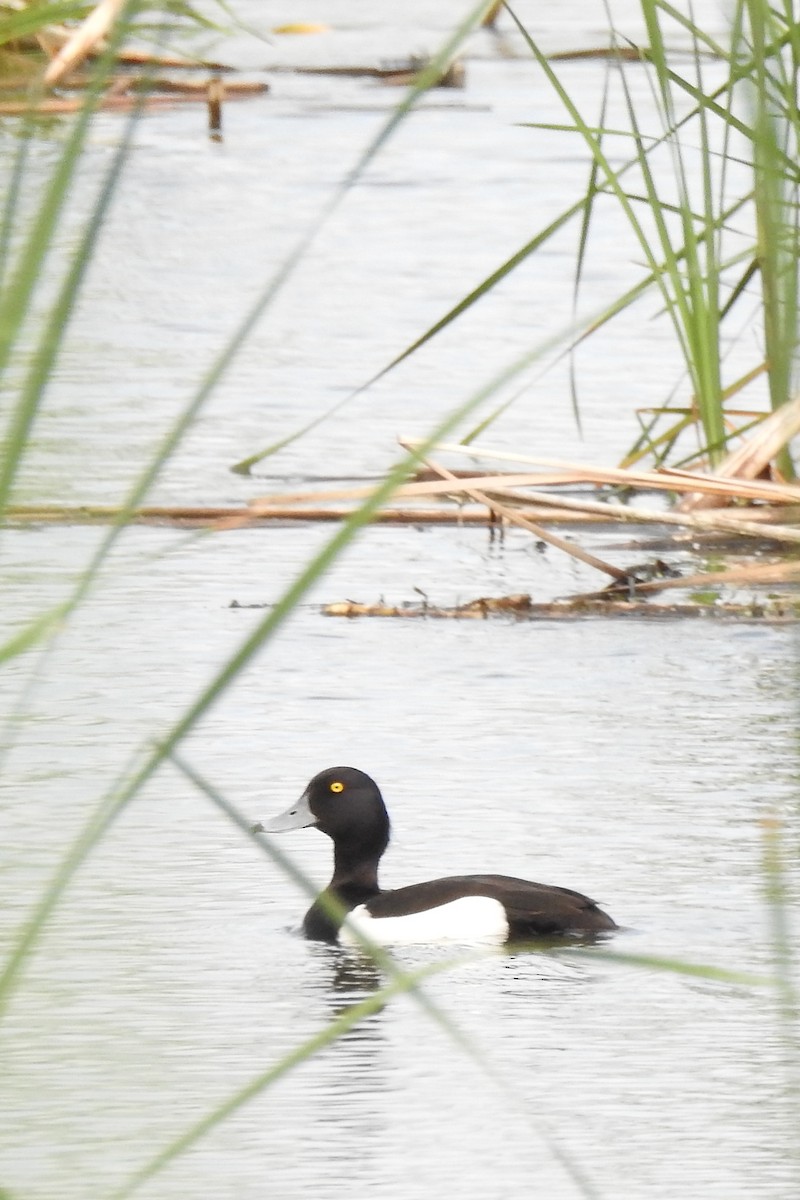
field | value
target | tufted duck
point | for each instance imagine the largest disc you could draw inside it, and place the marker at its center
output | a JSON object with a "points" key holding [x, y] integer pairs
{"points": [[347, 805]]}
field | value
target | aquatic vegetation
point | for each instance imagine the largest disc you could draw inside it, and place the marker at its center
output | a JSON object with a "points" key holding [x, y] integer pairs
{"points": [[699, 263]]}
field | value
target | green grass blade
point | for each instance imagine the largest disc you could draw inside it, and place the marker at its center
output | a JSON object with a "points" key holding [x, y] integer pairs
{"points": [[16, 299], [13, 199], [774, 857], [30, 20], [675, 966], [341, 1024], [425, 80], [43, 627], [246, 464], [698, 34], [54, 328], [593, 190], [776, 200]]}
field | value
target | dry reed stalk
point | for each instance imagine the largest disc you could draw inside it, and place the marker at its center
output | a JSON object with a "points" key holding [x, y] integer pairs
{"points": [[501, 485], [464, 514], [109, 103], [542, 507], [422, 488], [215, 98], [48, 37], [172, 61], [756, 452], [113, 101], [669, 479], [758, 574], [83, 41], [515, 517], [615, 53], [716, 522], [219, 519], [197, 88], [709, 522]]}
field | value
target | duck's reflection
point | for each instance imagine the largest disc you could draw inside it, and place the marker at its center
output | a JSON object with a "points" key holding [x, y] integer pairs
{"points": [[376, 1065], [352, 974], [352, 1071]]}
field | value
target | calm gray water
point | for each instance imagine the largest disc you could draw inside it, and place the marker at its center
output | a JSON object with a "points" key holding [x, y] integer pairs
{"points": [[634, 761]]}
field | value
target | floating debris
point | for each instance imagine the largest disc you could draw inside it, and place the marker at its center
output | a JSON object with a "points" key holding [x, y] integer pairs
{"points": [[774, 610], [395, 74]]}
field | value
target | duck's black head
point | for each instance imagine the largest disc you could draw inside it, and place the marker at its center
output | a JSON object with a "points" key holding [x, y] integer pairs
{"points": [[347, 805]]}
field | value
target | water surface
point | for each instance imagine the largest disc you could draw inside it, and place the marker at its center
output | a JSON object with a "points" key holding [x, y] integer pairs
{"points": [[634, 761]]}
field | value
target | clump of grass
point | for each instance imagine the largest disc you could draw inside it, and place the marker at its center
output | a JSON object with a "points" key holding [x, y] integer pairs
{"points": [[695, 260]]}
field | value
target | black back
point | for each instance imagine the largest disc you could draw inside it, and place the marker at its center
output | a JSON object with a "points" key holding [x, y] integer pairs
{"points": [[532, 909]]}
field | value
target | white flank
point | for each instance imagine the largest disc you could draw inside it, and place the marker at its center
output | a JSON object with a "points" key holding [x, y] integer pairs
{"points": [[467, 920]]}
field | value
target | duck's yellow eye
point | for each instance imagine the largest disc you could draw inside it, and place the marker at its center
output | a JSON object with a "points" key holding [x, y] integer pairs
{"points": [[336, 786]]}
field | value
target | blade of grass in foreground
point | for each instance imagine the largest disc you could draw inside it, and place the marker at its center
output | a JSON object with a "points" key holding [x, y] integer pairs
{"points": [[244, 467], [776, 200], [13, 197], [694, 286], [422, 82], [55, 326], [676, 966], [31, 261], [337, 1028], [17, 25], [774, 869], [593, 190], [43, 359], [775, 857]]}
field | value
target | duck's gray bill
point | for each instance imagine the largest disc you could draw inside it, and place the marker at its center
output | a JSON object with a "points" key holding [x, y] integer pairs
{"points": [[296, 817]]}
